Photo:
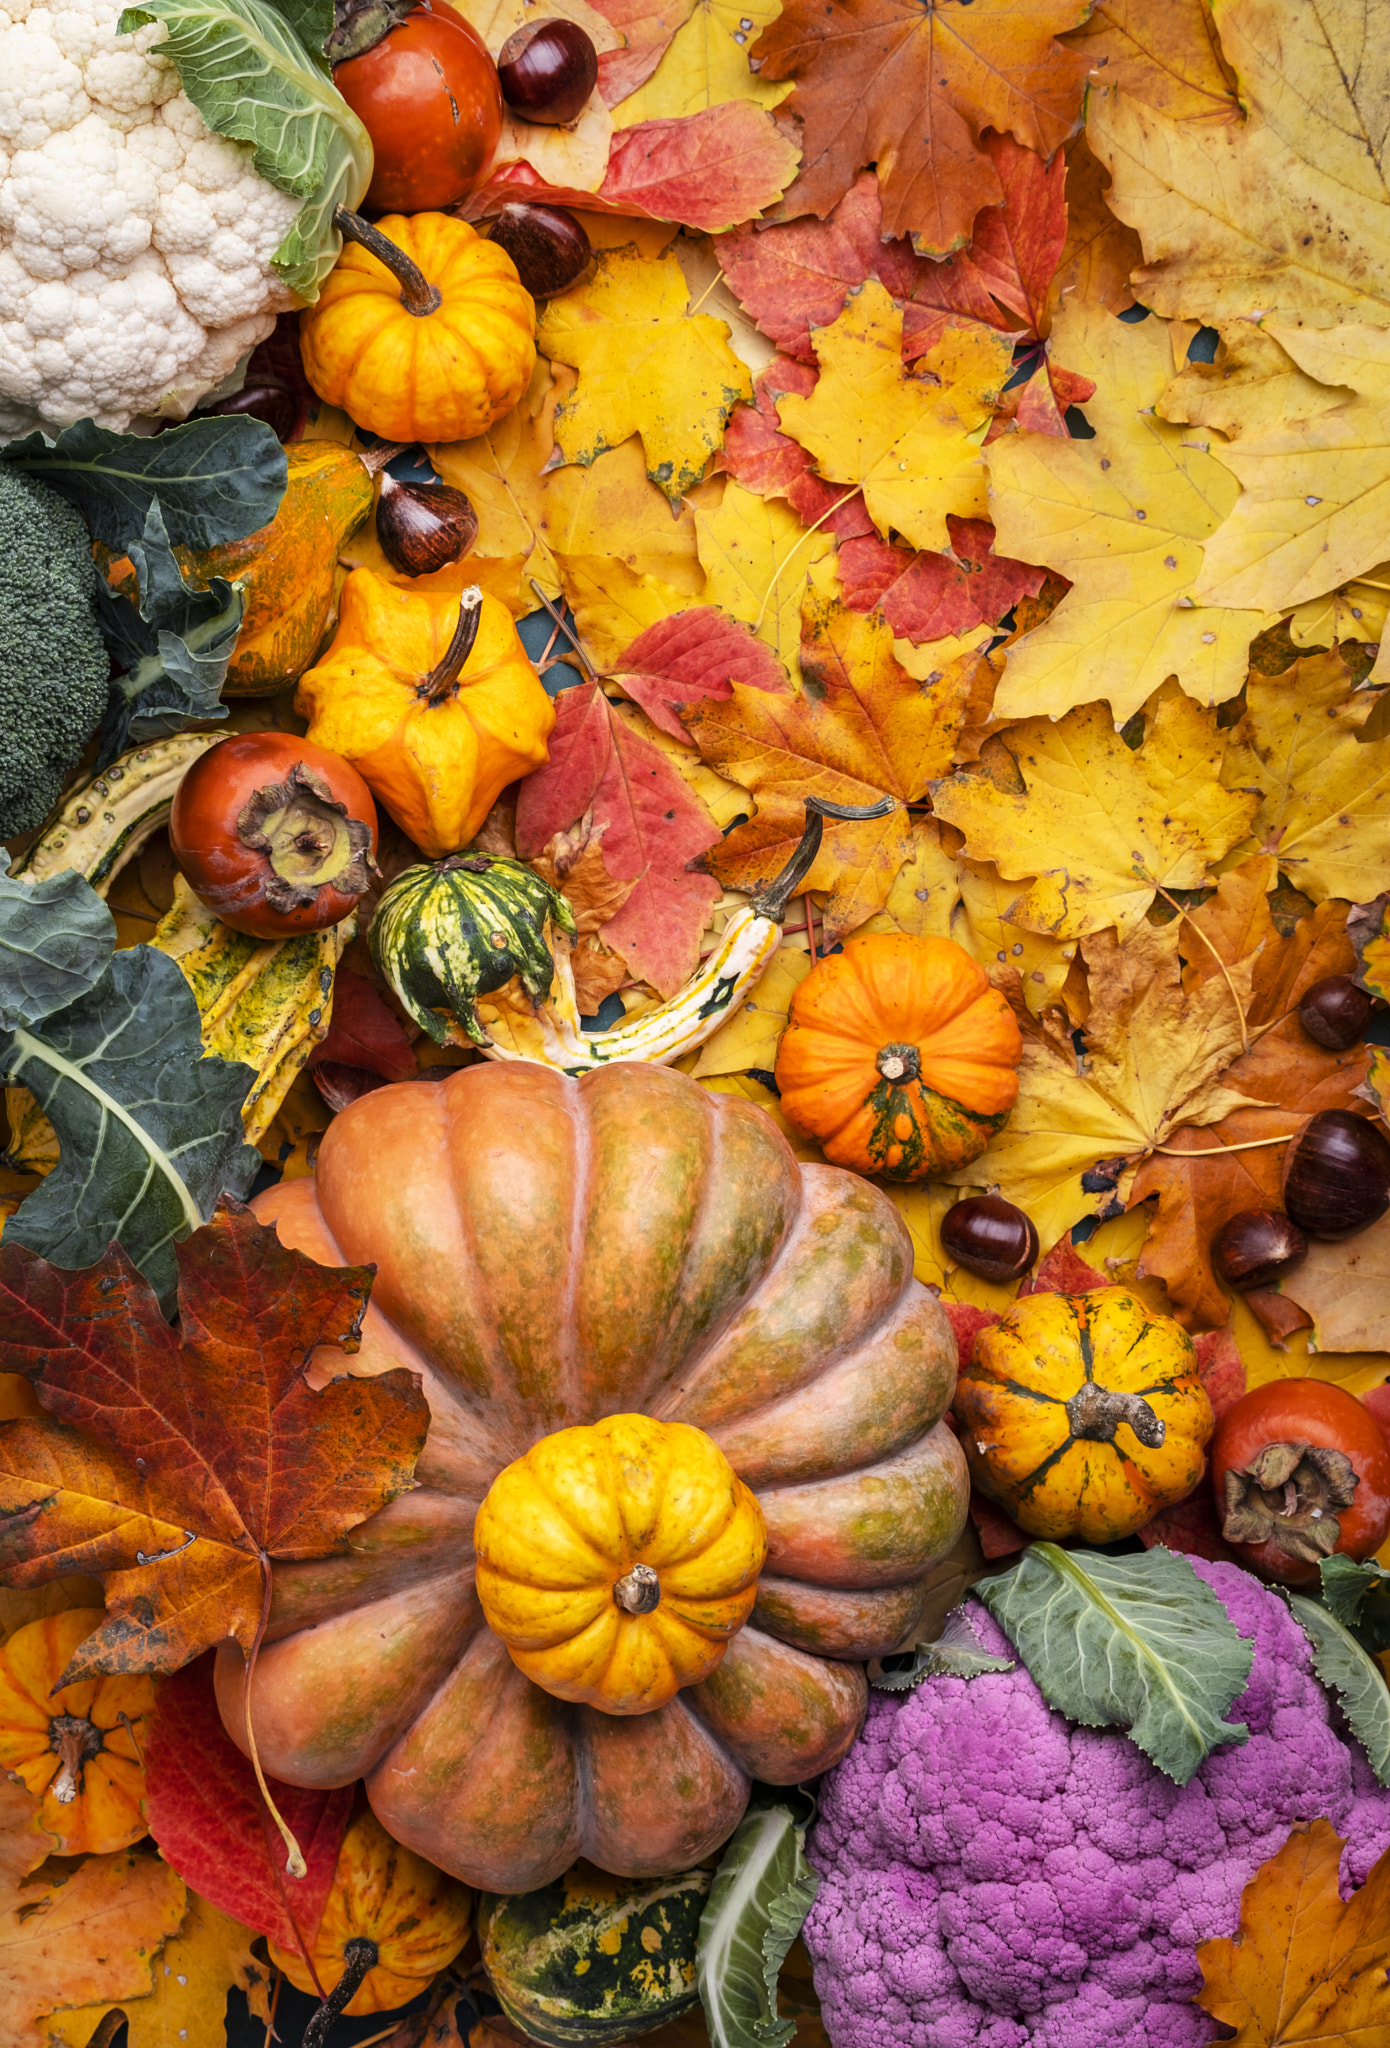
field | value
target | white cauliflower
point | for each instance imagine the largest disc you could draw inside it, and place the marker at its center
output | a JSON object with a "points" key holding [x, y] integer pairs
{"points": [[135, 244]]}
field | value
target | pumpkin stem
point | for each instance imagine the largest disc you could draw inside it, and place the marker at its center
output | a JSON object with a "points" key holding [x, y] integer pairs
{"points": [[419, 297], [1289, 1494], [440, 681], [899, 1063], [1096, 1412], [772, 901], [360, 1955], [76, 1740], [638, 1591]]}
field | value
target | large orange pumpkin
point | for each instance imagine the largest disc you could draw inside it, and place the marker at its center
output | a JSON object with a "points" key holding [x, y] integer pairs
{"points": [[899, 1058], [551, 1252]]}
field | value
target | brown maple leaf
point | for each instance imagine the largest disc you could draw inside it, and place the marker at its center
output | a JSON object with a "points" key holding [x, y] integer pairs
{"points": [[1306, 1965], [573, 863], [180, 1462], [910, 88]]}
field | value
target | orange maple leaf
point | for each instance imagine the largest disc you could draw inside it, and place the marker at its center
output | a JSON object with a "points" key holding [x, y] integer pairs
{"points": [[910, 88], [1306, 1965]]}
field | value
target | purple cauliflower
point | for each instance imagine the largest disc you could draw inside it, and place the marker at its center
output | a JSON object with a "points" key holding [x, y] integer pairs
{"points": [[994, 1877]]}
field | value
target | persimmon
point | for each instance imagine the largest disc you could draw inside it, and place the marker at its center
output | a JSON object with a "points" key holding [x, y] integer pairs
{"points": [[1300, 1470], [429, 97]]}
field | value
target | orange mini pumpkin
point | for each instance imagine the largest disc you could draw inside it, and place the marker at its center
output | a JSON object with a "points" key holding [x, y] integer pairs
{"points": [[78, 1748], [899, 1057]]}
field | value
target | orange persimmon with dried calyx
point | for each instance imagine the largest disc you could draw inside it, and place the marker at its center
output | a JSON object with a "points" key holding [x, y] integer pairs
{"points": [[77, 1747], [422, 331], [899, 1057], [433, 699]]}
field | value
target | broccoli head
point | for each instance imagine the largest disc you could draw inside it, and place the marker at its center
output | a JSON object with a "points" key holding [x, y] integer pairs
{"points": [[993, 1876], [53, 661]]}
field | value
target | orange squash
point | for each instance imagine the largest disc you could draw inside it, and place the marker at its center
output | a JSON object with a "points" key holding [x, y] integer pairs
{"points": [[390, 1917], [77, 1749], [552, 1252], [436, 722], [899, 1058], [1083, 1414]]}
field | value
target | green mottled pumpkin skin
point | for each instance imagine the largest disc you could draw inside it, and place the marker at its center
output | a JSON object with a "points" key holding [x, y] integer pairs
{"points": [[593, 1959], [456, 929]]}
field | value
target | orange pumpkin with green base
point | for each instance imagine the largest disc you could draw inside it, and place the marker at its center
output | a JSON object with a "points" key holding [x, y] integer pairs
{"points": [[551, 1253], [899, 1058]]}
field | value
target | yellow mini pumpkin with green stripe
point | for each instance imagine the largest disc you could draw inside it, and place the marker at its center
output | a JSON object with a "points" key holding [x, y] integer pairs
{"points": [[1083, 1414]]}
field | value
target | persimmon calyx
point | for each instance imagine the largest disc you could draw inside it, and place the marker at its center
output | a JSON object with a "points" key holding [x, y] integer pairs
{"points": [[1290, 1494], [308, 840]]}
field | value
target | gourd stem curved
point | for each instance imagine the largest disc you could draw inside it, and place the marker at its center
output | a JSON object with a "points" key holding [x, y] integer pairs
{"points": [[418, 295], [437, 685], [360, 1955]]}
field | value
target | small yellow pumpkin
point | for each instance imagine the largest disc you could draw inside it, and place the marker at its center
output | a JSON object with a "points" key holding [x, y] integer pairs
{"points": [[435, 722], [422, 331], [1083, 1414], [78, 1749], [617, 1560], [392, 1919]]}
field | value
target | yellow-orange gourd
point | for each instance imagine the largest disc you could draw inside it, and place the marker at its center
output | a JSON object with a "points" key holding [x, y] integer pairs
{"points": [[899, 1058], [1083, 1414], [418, 1918], [441, 375], [77, 1749], [616, 1560], [438, 765]]}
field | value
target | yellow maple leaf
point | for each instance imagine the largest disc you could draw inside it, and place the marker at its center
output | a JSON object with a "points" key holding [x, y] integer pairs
{"points": [[1169, 56], [706, 64], [1093, 828], [1125, 516], [1284, 213], [926, 889], [612, 603], [751, 1038], [1252, 382], [186, 2008], [757, 555], [1325, 802], [1358, 611], [1100, 251], [908, 435], [645, 367], [1315, 494], [981, 924], [1154, 1057]]}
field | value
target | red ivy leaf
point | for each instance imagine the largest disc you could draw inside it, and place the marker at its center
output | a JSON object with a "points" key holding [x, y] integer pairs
{"points": [[692, 654]]}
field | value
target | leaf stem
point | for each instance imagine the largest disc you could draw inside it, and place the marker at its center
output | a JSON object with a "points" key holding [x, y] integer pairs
{"points": [[800, 542], [1220, 1151], [574, 640], [714, 285], [294, 1861], [1188, 918]]}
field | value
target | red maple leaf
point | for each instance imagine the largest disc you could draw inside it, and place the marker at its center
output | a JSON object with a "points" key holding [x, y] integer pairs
{"points": [[697, 653]]}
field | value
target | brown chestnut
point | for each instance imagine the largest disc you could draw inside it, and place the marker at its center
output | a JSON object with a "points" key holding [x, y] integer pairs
{"points": [[989, 1236], [1335, 1012], [1256, 1246], [547, 71], [1337, 1176], [423, 527], [546, 243]]}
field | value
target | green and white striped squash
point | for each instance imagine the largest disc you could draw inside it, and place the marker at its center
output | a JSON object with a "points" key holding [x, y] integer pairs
{"points": [[594, 1959], [452, 930]]}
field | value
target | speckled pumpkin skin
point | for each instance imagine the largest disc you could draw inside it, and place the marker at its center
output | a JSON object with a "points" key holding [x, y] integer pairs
{"points": [[549, 1252]]}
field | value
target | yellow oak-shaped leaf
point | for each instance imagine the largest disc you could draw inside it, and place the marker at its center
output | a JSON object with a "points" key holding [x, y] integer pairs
{"points": [[1315, 501], [1252, 383], [1168, 56], [706, 64], [1284, 213], [1093, 829], [909, 436], [1358, 611], [208, 1957], [1154, 1057], [1125, 517], [645, 367], [757, 555], [1325, 807]]}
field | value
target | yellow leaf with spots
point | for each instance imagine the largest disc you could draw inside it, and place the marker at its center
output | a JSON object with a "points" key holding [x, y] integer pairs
{"points": [[1169, 56], [757, 556], [908, 435], [751, 1038], [706, 64], [1091, 828], [186, 2008], [645, 367], [981, 924], [925, 891], [1125, 517], [611, 510], [613, 604], [1251, 383]]}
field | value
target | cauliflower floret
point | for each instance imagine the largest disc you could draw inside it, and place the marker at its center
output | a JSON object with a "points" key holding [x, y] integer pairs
{"points": [[135, 245], [994, 1877]]}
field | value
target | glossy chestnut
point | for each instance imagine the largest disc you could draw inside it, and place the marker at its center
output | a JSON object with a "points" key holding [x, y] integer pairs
{"points": [[1335, 1012], [1337, 1176], [1256, 1246], [989, 1236], [423, 527], [546, 243], [547, 71]]}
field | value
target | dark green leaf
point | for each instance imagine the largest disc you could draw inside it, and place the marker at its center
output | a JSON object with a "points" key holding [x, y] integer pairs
{"points": [[761, 1894], [1358, 1681], [217, 479], [1136, 1642], [955, 1654], [55, 940], [1359, 1596], [174, 646], [149, 1130]]}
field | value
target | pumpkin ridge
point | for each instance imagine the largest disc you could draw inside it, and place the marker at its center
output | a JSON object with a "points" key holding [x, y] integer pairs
{"points": [[1040, 1472]]}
